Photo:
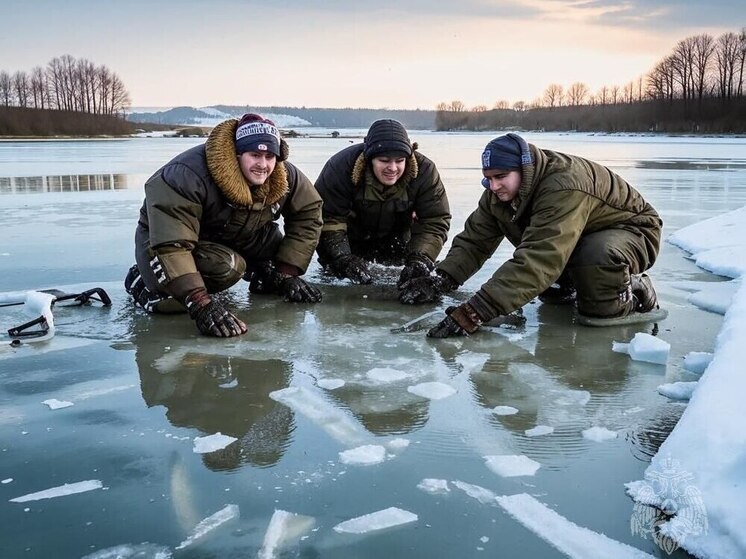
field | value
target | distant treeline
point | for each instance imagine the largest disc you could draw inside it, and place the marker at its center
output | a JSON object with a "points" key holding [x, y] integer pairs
{"points": [[66, 84], [18, 121], [349, 117], [699, 87]]}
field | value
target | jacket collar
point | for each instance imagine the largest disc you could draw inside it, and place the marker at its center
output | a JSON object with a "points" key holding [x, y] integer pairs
{"points": [[530, 176], [223, 165], [360, 169]]}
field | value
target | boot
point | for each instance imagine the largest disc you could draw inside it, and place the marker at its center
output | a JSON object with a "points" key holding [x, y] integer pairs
{"points": [[643, 293], [151, 302], [558, 294]]}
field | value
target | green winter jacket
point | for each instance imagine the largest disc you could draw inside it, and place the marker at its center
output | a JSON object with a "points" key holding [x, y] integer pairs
{"points": [[414, 209], [201, 195], [561, 198]]}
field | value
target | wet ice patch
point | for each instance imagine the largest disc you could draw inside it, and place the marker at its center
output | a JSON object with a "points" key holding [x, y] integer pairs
{"points": [[644, 347], [504, 410], [697, 361], [55, 404], [386, 374], [434, 486], [365, 455], [471, 362], [599, 434], [677, 390], [569, 538], [380, 520], [539, 430], [432, 390], [60, 491], [330, 383], [512, 465], [209, 524], [211, 443], [284, 528], [481, 494], [133, 551]]}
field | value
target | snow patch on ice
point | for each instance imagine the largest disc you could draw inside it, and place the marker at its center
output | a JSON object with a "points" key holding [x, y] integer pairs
{"points": [[330, 383], [511, 465], [386, 518], [432, 390], [55, 404], [211, 443], [504, 410]]}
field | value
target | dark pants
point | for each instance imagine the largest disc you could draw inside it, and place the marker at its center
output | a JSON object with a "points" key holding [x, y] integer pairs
{"points": [[600, 268], [220, 266]]}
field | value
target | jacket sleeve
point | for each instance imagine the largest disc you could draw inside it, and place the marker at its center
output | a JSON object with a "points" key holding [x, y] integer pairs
{"points": [[301, 215], [474, 245], [335, 187], [174, 200], [558, 219], [432, 214]]}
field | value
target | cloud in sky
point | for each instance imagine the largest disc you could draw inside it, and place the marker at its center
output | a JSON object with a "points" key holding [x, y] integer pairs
{"points": [[343, 53]]}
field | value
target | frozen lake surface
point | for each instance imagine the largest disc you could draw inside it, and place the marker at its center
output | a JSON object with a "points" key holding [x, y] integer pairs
{"points": [[335, 419]]}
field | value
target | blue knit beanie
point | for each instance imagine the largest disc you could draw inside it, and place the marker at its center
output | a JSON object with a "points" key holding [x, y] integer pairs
{"points": [[509, 152]]}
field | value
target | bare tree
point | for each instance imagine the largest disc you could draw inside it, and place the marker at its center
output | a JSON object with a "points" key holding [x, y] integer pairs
{"points": [[519, 106], [502, 105], [38, 87], [614, 94], [683, 64], [457, 106], [120, 97], [703, 49], [741, 59], [21, 87], [6, 88], [726, 58], [553, 95], [602, 97], [479, 109], [577, 93], [441, 106]]}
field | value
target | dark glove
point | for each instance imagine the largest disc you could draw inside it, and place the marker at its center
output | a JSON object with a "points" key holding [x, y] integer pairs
{"points": [[460, 321], [296, 289], [418, 265], [352, 267], [426, 289], [211, 317]]}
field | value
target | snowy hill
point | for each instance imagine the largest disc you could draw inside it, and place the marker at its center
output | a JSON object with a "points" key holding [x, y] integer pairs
{"points": [[206, 116]]}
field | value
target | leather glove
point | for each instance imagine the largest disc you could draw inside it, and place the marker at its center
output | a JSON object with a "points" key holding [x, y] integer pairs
{"points": [[352, 267], [296, 289], [211, 317], [426, 289], [460, 321], [418, 265]]}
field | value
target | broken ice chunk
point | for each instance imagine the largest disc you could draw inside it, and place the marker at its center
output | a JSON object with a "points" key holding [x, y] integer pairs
{"points": [[505, 410], [644, 347], [386, 374], [211, 443], [599, 434], [697, 361], [55, 404], [677, 390], [434, 486], [539, 430], [511, 465], [284, 527], [365, 455], [330, 383], [379, 520], [228, 512], [60, 491], [432, 390]]}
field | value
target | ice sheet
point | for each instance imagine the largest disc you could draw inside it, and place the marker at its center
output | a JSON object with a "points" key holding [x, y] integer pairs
{"points": [[511, 465], [380, 520], [60, 491]]}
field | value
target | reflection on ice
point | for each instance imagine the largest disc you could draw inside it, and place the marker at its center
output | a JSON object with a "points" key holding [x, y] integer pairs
{"points": [[62, 183]]}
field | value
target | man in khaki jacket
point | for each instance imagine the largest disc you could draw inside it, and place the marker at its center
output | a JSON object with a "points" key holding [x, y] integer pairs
{"points": [[209, 219], [581, 233]]}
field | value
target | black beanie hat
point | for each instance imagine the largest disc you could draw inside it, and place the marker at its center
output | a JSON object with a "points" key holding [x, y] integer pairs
{"points": [[509, 152], [387, 137]]}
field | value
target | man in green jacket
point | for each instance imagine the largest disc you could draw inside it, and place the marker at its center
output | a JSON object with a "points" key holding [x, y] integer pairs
{"points": [[209, 219], [581, 233], [384, 202]]}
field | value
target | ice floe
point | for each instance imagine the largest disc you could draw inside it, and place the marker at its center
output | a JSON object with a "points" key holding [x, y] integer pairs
{"points": [[386, 374], [434, 486], [211, 443], [645, 347], [60, 491], [432, 390], [228, 512], [131, 551], [504, 410], [330, 383], [539, 430], [365, 455], [55, 404], [284, 528], [481, 494], [677, 390], [380, 520], [599, 434], [697, 361], [511, 465]]}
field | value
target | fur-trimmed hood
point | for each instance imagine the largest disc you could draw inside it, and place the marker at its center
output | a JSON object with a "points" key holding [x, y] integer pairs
{"points": [[411, 171], [222, 163]]}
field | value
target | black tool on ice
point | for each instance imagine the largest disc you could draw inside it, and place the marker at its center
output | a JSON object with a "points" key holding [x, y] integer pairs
{"points": [[69, 299]]}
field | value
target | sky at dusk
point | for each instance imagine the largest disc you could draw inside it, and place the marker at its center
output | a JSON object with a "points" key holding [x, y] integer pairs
{"points": [[337, 53]]}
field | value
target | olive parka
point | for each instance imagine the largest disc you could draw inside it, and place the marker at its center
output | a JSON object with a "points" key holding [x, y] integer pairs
{"points": [[561, 198], [202, 195], [415, 208]]}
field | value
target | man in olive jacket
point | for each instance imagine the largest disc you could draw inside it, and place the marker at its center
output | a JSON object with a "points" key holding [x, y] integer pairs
{"points": [[574, 223], [209, 219], [384, 202]]}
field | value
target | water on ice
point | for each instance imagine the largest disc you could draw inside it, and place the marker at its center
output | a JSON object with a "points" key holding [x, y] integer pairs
{"points": [[645, 347], [380, 520]]}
